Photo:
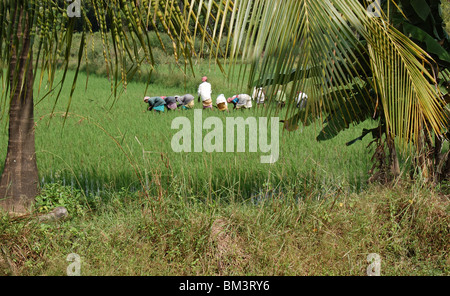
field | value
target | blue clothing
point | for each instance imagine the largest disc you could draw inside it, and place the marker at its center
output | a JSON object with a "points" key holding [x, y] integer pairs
{"points": [[159, 108]]}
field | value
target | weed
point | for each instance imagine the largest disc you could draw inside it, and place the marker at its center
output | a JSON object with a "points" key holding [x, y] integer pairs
{"points": [[55, 195]]}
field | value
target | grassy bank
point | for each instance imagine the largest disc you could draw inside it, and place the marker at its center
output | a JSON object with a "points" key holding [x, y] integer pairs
{"points": [[172, 235]]}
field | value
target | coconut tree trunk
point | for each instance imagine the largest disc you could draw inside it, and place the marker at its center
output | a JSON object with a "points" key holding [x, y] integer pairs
{"points": [[445, 175], [393, 159], [19, 180]]}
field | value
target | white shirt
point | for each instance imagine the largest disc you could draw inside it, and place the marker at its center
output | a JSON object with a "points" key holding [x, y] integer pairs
{"points": [[301, 99], [221, 99], [244, 100], [204, 91], [258, 95]]}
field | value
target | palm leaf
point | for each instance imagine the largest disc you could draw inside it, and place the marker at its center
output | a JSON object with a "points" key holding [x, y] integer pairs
{"points": [[322, 38]]}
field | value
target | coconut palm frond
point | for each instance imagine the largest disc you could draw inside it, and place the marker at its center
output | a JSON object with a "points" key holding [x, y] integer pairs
{"points": [[336, 51], [123, 27]]}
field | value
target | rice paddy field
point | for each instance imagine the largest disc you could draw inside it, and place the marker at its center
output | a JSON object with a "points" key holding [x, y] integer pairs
{"points": [[103, 142], [139, 208]]}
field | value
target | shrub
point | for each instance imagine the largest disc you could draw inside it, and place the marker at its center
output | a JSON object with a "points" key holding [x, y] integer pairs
{"points": [[55, 195]]}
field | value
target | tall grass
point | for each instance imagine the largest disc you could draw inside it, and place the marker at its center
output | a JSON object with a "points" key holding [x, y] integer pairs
{"points": [[131, 235]]}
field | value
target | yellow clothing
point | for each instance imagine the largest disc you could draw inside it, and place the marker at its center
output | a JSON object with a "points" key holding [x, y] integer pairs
{"points": [[190, 105], [207, 104], [222, 106]]}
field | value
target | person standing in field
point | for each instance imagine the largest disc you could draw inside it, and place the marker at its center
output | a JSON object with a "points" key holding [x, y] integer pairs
{"points": [[204, 93], [259, 96], [155, 103], [171, 102], [221, 103], [185, 102]]}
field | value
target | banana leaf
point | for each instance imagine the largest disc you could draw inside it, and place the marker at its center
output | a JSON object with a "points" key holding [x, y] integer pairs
{"points": [[353, 112]]}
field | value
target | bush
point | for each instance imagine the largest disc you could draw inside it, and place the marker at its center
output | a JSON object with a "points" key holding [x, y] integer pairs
{"points": [[57, 195]]}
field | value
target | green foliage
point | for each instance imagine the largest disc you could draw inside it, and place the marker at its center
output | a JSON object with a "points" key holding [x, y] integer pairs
{"points": [[347, 112], [445, 7], [305, 215], [352, 58], [425, 25], [55, 195], [163, 71]]}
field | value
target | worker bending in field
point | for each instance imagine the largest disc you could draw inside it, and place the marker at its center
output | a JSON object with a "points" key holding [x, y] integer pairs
{"points": [[233, 100], [171, 102], [204, 93], [241, 101], [185, 102], [221, 103], [245, 101], [155, 103]]}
